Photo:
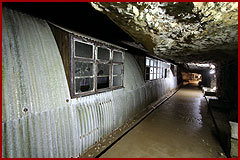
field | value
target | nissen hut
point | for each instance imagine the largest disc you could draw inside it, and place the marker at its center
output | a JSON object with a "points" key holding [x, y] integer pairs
{"points": [[69, 94], [63, 91]]}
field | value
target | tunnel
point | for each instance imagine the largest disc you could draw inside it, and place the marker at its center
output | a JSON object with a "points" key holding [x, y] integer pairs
{"points": [[120, 80]]}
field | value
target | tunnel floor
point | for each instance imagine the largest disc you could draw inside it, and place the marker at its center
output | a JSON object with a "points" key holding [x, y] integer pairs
{"points": [[179, 128]]}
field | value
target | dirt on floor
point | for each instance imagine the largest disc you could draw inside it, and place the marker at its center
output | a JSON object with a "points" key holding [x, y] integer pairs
{"points": [[179, 128]]}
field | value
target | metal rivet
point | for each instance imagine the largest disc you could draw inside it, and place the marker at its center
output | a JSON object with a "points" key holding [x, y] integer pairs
{"points": [[67, 100], [25, 109]]}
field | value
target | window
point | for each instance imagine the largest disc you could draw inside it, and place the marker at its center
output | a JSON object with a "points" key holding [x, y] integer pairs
{"points": [[167, 70], [83, 67], [103, 66], [155, 69], [166, 73], [95, 67], [174, 70], [117, 68]]}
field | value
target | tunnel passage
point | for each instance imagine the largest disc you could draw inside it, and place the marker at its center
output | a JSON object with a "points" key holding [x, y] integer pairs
{"points": [[58, 102], [181, 127]]}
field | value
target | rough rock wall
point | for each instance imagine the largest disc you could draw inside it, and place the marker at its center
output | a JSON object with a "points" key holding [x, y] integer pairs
{"points": [[177, 30], [227, 82]]}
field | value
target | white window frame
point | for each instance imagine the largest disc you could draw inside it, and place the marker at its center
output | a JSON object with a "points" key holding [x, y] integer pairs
{"points": [[95, 44], [160, 69]]}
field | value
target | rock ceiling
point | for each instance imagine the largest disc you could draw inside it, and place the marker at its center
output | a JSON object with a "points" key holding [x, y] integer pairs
{"points": [[181, 31]]}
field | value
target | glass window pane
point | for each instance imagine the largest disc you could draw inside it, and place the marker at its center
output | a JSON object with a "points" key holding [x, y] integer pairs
{"points": [[158, 76], [103, 53], [151, 69], [117, 56], [154, 76], [83, 69], [155, 63], [117, 81], [83, 50], [155, 70], [147, 62], [159, 63], [151, 76], [166, 73], [117, 69], [102, 82], [83, 84], [162, 72], [103, 69], [151, 62]]}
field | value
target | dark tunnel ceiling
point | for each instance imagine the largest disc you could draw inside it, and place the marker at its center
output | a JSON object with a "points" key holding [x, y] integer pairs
{"points": [[83, 18], [77, 16]]}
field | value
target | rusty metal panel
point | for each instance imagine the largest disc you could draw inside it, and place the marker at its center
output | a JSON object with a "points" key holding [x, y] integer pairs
{"points": [[63, 41]]}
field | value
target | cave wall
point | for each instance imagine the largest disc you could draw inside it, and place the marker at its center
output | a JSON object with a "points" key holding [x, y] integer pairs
{"points": [[177, 30], [227, 82], [39, 119]]}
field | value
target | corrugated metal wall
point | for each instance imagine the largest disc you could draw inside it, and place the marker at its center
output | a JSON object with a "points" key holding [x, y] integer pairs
{"points": [[37, 121], [34, 89], [33, 73]]}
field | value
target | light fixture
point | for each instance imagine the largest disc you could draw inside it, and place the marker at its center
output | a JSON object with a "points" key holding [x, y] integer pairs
{"points": [[212, 66], [212, 71]]}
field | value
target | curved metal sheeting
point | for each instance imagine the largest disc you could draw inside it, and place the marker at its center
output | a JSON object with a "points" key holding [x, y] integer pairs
{"points": [[37, 121], [34, 79]]}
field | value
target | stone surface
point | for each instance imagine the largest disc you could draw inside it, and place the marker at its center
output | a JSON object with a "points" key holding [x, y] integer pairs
{"points": [[234, 130], [182, 31], [179, 128], [234, 148]]}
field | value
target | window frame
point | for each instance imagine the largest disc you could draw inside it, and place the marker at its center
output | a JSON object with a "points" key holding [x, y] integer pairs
{"points": [[95, 44], [99, 61], [160, 68], [118, 63]]}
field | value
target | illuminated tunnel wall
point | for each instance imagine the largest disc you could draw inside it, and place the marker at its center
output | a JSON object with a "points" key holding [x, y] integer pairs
{"points": [[37, 121]]}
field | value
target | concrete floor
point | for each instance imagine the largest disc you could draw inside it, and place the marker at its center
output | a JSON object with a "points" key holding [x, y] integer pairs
{"points": [[181, 127]]}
